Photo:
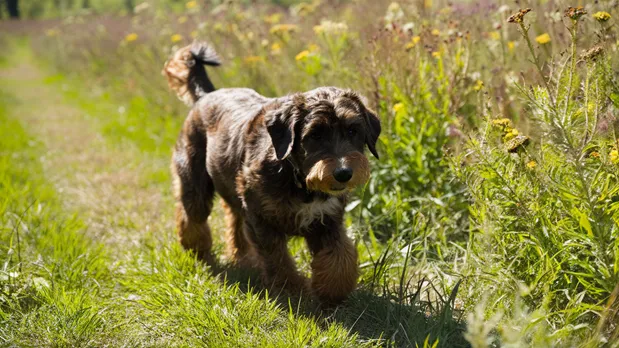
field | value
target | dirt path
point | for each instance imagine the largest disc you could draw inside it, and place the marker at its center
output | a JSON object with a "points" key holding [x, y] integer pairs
{"points": [[104, 184]]}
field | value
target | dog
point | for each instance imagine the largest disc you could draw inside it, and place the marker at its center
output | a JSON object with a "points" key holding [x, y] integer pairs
{"points": [[282, 166]]}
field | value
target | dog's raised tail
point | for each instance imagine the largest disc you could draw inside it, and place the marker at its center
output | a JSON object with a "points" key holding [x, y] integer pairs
{"points": [[186, 74]]}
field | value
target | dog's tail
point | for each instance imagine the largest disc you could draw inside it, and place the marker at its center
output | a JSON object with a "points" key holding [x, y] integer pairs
{"points": [[186, 74]]}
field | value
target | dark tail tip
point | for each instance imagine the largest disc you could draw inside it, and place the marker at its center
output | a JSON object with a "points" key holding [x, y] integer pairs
{"points": [[186, 74]]}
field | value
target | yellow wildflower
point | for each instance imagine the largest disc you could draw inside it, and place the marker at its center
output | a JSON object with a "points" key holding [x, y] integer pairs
{"points": [[543, 39], [614, 156], [495, 35], [445, 10], [510, 133], [511, 45], [413, 42], [436, 32], [253, 59], [131, 37], [283, 29], [302, 55], [176, 38], [427, 3], [273, 19], [502, 122], [601, 16], [182, 19], [276, 49], [531, 164], [479, 85], [397, 107], [436, 54], [191, 5], [218, 27]]}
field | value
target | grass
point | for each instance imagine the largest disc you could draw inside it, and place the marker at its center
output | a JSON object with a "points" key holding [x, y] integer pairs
{"points": [[490, 220]]}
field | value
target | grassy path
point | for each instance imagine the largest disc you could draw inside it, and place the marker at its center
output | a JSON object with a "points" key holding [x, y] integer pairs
{"points": [[104, 184]]}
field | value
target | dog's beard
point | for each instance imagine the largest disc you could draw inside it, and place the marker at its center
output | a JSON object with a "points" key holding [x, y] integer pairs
{"points": [[320, 177]]}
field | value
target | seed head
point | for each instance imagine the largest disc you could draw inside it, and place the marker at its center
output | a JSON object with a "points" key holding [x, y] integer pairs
{"points": [[519, 16], [575, 12], [517, 143], [593, 53]]}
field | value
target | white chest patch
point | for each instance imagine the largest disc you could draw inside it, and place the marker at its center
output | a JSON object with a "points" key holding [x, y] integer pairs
{"points": [[309, 212]]}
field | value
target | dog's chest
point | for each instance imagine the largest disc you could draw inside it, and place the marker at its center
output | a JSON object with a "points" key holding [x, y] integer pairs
{"points": [[316, 210]]}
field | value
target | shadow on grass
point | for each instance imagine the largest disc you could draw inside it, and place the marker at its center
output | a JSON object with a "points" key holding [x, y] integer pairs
{"points": [[372, 317]]}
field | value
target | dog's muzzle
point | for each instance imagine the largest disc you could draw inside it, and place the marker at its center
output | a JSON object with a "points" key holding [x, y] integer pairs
{"points": [[337, 176]]}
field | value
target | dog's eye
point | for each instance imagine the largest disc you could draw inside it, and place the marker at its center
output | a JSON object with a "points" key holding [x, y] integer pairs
{"points": [[352, 132], [316, 136]]}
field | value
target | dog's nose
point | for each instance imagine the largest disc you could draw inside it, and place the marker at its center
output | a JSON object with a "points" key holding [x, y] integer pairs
{"points": [[342, 174]]}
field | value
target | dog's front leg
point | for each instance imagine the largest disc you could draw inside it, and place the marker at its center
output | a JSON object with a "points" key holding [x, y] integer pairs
{"points": [[278, 267], [334, 264]]}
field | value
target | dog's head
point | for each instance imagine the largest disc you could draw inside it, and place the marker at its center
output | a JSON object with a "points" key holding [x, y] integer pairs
{"points": [[324, 133]]}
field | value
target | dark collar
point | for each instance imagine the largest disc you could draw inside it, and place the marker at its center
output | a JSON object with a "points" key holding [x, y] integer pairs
{"points": [[306, 195]]}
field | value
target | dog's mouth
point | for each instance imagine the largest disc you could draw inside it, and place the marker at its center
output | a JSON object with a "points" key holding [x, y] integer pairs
{"points": [[338, 190]]}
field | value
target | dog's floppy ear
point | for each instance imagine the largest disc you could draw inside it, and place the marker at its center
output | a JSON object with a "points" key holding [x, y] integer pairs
{"points": [[281, 124], [373, 131]]}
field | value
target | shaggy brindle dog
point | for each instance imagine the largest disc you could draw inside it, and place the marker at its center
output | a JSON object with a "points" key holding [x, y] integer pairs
{"points": [[283, 167]]}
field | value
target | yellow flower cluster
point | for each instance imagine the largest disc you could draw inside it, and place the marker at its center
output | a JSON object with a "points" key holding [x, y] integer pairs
{"points": [[302, 55], [312, 50], [276, 49], [531, 164], [479, 84], [176, 38], [51, 32], [191, 5], [273, 19], [253, 59], [280, 29], [543, 39], [413, 42], [511, 136], [397, 107], [131, 37], [601, 16], [614, 156]]}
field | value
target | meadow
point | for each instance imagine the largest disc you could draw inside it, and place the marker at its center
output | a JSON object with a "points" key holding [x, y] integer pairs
{"points": [[490, 220]]}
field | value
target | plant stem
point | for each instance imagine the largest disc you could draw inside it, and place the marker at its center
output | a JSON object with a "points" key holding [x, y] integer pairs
{"points": [[524, 31]]}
